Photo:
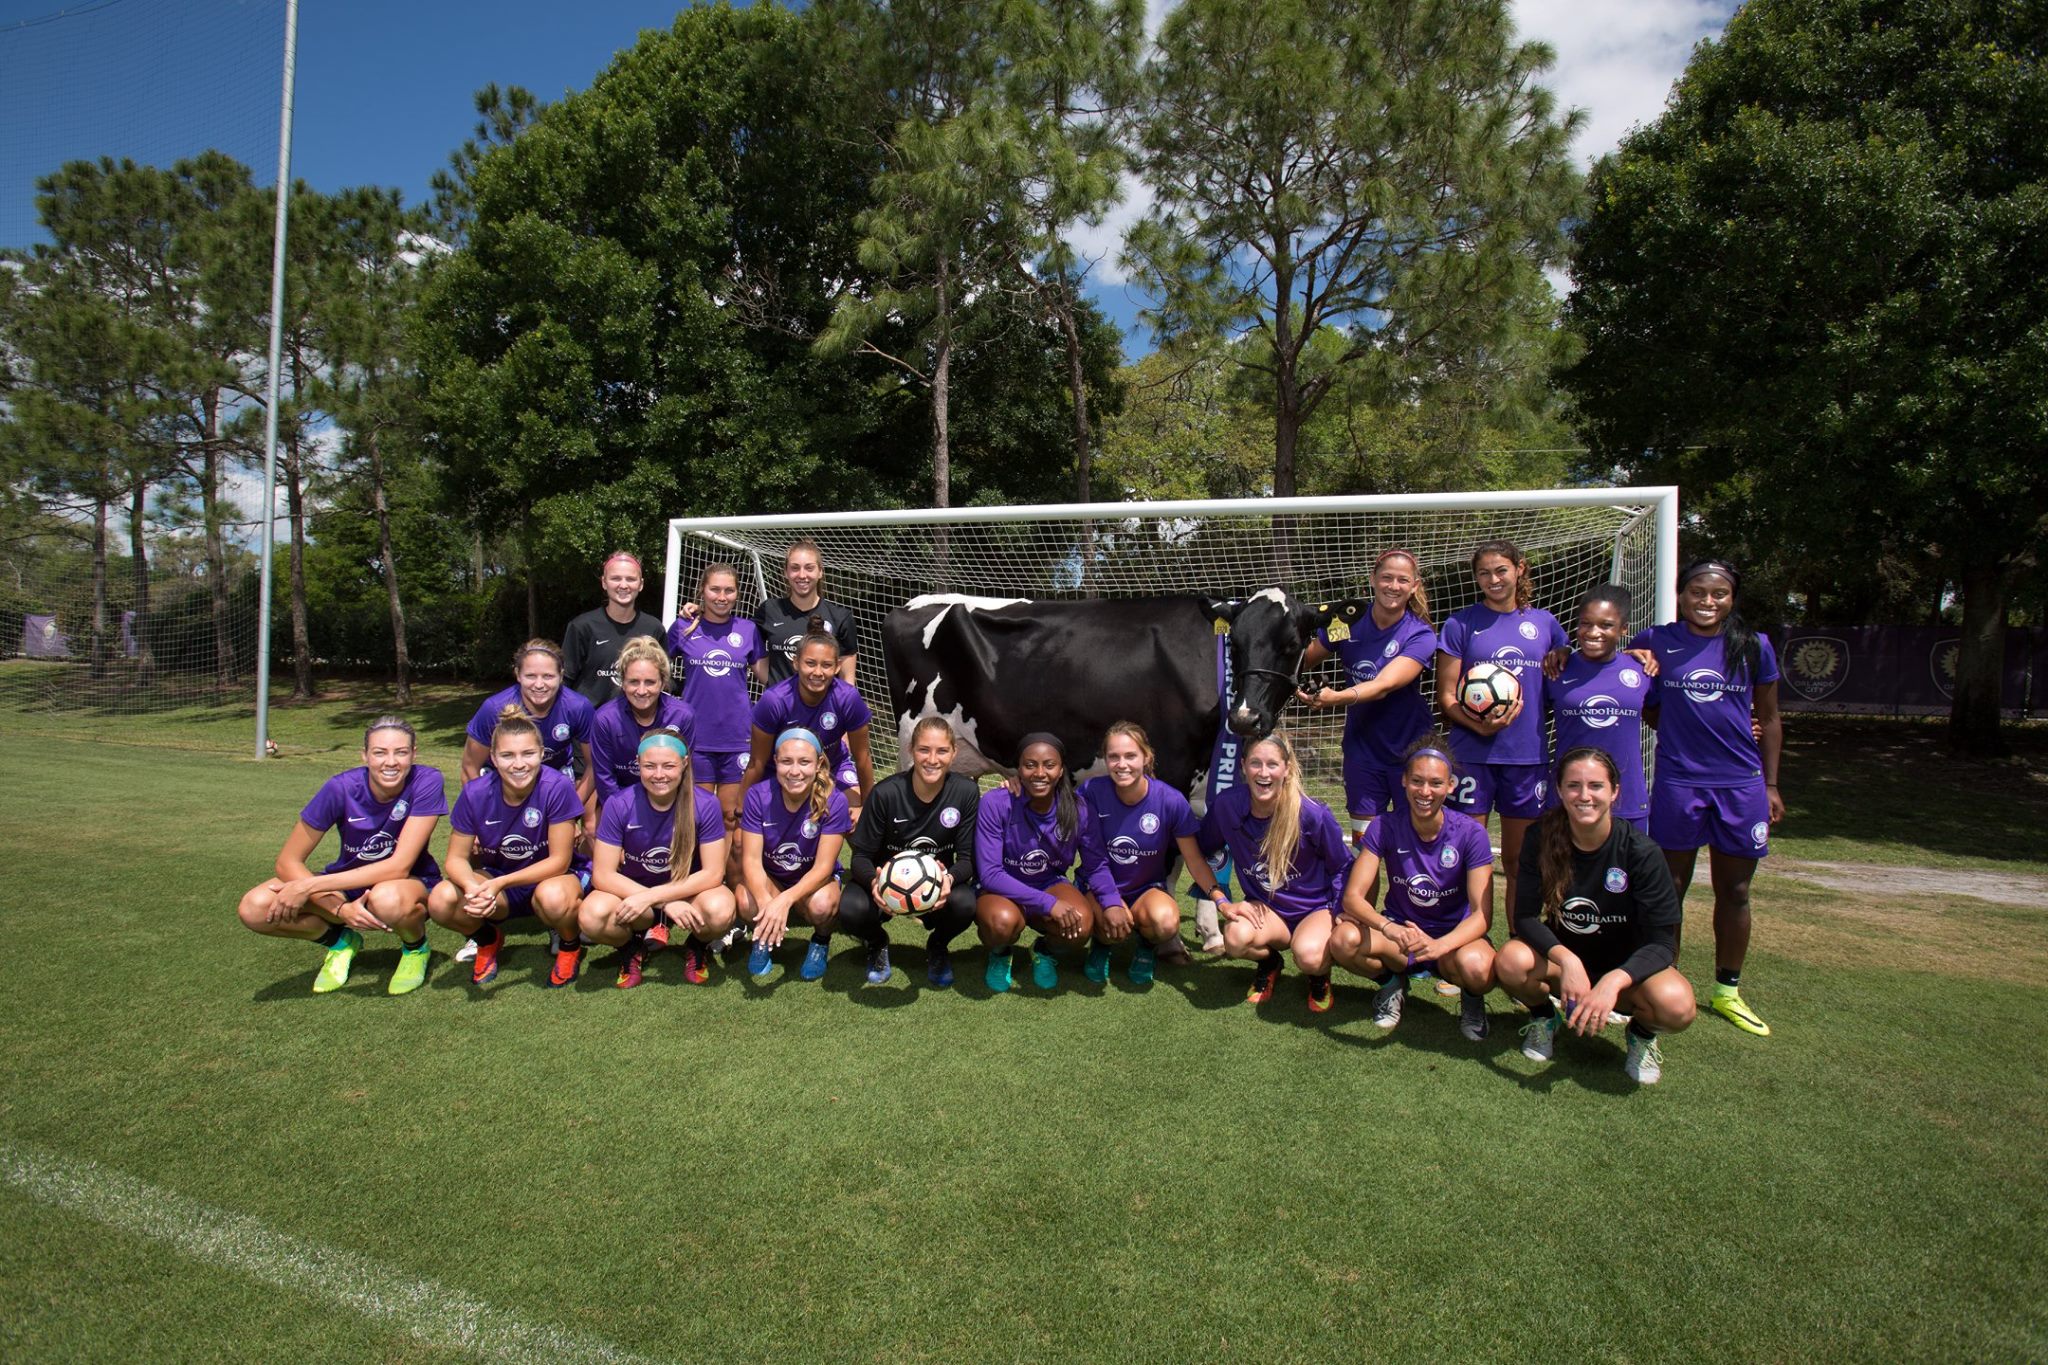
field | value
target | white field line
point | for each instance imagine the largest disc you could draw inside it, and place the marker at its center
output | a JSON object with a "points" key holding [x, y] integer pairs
{"points": [[431, 1313]]}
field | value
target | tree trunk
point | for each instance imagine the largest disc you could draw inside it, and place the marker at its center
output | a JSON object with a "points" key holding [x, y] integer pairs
{"points": [[96, 668], [138, 558], [532, 601], [1077, 386], [1980, 664], [401, 659], [942, 452], [216, 544]]}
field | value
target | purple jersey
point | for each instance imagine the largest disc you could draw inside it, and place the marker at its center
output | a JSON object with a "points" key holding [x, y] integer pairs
{"points": [[369, 828], [1382, 730], [1138, 839], [615, 740], [1020, 853], [1703, 735], [789, 838], [837, 714], [1601, 706], [715, 662], [566, 725], [643, 834], [510, 838], [1517, 641], [1426, 877], [1321, 859]]}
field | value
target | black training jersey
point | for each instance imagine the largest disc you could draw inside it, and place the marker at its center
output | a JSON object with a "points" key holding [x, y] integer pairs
{"points": [[590, 652], [783, 628], [894, 820], [1620, 909]]}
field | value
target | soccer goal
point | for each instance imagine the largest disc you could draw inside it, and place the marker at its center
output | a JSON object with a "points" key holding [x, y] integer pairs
{"points": [[1317, 548]]}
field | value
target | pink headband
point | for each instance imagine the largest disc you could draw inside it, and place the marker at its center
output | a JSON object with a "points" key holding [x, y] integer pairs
{"points": [[626, 555]]}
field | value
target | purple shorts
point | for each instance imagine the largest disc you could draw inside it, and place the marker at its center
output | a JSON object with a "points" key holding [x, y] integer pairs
{"points": [[1516, 790], [848, 777], [1731, 820], [520, 898], [429, 880], [1293, 918], [717, 768], [1370, 788]]}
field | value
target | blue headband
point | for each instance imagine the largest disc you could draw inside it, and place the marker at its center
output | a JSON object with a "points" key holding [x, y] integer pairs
{"points": [[658, 740], [798, 732], [1433, 753]]}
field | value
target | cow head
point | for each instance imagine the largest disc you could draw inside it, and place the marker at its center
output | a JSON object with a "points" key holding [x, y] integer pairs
{"points": [[1269, 632]]}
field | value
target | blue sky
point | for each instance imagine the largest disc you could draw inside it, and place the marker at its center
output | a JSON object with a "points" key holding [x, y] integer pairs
{"points": [[384, 88]]}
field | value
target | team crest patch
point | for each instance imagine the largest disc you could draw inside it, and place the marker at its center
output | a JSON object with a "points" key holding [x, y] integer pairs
{"points": [[1393, 648], [562, 730], [1631, 678], [398, 811], [950, 817], [828, 720], [810, 829], [1617, 880], [1449, 857], [1760, 833], [1527, 629], [1149, 822], [531, 818]]}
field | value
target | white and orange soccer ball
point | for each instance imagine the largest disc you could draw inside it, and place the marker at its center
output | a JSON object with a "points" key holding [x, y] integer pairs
{"points": [[1488, 689], [911, 882]]}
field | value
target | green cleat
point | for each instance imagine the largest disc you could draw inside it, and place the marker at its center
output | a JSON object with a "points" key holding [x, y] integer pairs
{"points": [[1727, 1002], [997, 975], [333, 973], [1097, 967], [412, 970], [1144, 964], [1045, 970]]}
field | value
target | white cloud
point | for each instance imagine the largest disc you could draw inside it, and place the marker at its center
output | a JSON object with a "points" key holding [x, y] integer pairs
{"points": [[1102, 242], [1617, 59]]}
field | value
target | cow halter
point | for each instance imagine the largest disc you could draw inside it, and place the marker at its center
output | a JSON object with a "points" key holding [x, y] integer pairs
{"points": [[1291, 678]]}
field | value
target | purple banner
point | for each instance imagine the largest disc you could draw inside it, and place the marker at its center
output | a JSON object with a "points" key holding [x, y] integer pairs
{"points": [[40, 638], [1896, 670]]}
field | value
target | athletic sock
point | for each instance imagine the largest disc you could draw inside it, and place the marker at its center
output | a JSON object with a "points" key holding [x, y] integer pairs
{"points": [[332, 936], [415, 945], [486, 934], [1731, 977], [1636, 1030], [1542, 1011], [1380, 978], [571, 943]]}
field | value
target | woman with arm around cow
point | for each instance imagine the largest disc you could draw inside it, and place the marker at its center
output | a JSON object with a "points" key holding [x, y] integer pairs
{"points": [[1596, 924], [927, 809], [383, 813], [1502, 756], [1291, 860], [1719, 743], [659, 860], [1383, 658], [1439, 901], [816, 699], [1143, 823], [1026, 850], [791, 829]]}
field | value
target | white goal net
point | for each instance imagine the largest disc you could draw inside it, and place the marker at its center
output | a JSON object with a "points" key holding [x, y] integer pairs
{"points": [[1317, 548]]}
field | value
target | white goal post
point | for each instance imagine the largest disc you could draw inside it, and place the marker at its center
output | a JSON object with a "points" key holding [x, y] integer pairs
{"points": [[1317, 548]]}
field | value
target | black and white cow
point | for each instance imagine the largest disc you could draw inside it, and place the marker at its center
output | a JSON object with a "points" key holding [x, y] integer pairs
{"points": [[999, 668]]}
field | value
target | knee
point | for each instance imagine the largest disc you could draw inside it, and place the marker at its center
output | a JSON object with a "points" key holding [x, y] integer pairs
{"points": [[388, 902], [553, 901], [1347, 941], [717, 907], [1475, 968], [1672, 1002], [1514, 964], [254, 911], [1237, 938], [444, 903], [999, 919]]}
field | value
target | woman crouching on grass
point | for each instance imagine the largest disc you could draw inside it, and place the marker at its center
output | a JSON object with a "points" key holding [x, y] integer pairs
{"points": [[513, 852], [383, 812], [1291, 859], [1144, 823], [659, 860], [1596, 924], [792, 826], [1439, 895]]}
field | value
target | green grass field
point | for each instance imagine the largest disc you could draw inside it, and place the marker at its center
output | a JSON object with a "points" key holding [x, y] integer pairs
{"points": [[203, 1161]]}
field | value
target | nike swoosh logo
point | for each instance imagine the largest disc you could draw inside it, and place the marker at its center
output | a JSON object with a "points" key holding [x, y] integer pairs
{"points": [[494, 822], [632, 827], [359, 819], [1671, 651], [1400, 850]]}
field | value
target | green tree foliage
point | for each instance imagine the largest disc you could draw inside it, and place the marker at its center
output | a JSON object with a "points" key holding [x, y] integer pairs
{"points": [[1388, 171], [1186, 432], [1815, 294]]}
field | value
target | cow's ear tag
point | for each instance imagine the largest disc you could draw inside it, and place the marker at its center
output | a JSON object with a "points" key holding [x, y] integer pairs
{"points": [[1222, 626], [1336, 632]]}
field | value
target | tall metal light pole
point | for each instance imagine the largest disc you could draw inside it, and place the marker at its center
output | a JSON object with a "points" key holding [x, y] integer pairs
{"points": [[284, 198]]}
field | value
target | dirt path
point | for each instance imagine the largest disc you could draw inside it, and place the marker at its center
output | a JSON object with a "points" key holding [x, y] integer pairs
{"points": [[2025, 889]]}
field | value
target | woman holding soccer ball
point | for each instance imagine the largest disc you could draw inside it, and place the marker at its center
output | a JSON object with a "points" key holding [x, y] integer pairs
{"points": [[1383, 659], [1719, 743], [929, 809], [1144, 823], [659, 862], [383, 813], [1291, 860], [1027, 847], [1439, 898], [816, 699], [1500, 747], [791, 830], [1597, 924]]}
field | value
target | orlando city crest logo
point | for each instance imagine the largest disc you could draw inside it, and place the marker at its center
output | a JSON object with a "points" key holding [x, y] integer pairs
{"points": [[1941, 663], [1816, 665]]}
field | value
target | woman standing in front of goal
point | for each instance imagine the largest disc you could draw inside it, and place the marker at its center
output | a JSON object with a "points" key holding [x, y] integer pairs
{"points": [[1291, 859], [1383, 660], [1597, 698], [715, 652], [786, 620], [1717, 774], [1503, 756]]}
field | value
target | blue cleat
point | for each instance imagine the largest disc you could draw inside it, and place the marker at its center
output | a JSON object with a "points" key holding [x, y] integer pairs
{"points": [[815, 958], [1097, 967], [878, 965], [760, 960], [997, 977], [1045, 970], [939, 967]]}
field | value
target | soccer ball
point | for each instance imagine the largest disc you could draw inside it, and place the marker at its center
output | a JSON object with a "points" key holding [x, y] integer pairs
{"points": [[1488, 689], [911, 882]]}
